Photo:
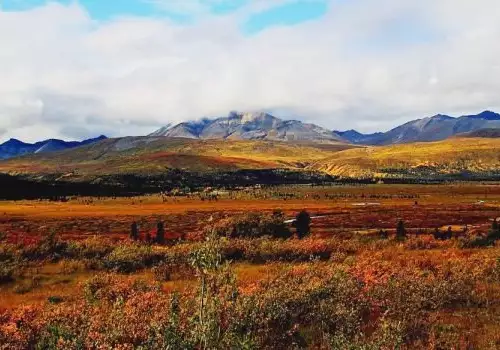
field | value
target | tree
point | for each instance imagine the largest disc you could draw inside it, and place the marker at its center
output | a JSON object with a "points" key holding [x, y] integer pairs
{"points": [[449, 233], [437, 234], [494, 233], [134, 231], [160, 233], [383, 234], [400, 230], [302, 224]]}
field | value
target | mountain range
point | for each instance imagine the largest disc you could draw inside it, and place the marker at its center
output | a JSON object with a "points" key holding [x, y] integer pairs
{"points": [[436, 128], [14, 148], [264, 126], [250, 126]]}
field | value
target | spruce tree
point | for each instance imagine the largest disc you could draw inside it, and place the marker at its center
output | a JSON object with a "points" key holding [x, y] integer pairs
{"points": [[160, 233], [134, 231], [302, 224], [494, 233], [400, 230]]}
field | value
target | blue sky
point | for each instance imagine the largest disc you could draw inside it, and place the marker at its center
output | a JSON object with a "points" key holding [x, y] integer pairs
{"points": [[285, 12]]}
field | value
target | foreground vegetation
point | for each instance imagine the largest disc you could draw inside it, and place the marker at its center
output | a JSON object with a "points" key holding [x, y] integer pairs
{"points": [[421, 271]]}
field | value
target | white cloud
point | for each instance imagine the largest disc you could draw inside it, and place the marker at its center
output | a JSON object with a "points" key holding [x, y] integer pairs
{"points": [[366, 64]]}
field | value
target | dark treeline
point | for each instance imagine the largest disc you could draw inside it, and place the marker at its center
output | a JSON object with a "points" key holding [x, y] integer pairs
{"points": [[52, 187]]}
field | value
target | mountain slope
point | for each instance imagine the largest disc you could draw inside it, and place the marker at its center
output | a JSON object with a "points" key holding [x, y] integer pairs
{"points": [[250, 126], [452, 156], [152, 155], [14, 148], [490, 133], [435, 128]]}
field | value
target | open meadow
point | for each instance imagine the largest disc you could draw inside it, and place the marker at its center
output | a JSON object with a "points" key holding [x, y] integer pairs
{"points": [[379, 267]]}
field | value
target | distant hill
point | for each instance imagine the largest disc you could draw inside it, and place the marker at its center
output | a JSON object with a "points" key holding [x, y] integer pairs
{"points": [[250, 126], [155, 155], [452, 156], [14, 148], [435, 128]]}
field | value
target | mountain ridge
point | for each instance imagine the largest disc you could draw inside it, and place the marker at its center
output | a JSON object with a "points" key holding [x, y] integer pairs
{"points": [[249, 126], [15, 148], [264, 126], [436, 128]]}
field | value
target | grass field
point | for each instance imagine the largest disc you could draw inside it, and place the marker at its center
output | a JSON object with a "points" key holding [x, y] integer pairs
{"points": [[474, 155], [344, 286], [155, 155], [141, 155]]}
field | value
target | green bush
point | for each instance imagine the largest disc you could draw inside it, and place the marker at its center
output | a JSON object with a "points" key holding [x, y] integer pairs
{"points": [[128, 258], [253, 226]]}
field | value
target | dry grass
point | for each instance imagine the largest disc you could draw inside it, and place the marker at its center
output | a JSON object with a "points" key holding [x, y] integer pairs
{"points": [[453, 155]]}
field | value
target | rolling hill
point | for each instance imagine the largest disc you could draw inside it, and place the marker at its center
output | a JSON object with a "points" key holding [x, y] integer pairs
{"points": [[153, 155], [455, 156]]}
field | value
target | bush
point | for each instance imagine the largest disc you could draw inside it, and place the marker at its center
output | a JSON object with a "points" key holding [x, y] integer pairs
{"points": [[8, 263], [50, 247], [91, 248], [253, 226], [7, 272], [168, 271], [474, 242], [128, 258]]}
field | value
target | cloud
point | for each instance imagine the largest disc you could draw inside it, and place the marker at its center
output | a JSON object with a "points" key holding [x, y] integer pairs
{"points": [[365, 64]]}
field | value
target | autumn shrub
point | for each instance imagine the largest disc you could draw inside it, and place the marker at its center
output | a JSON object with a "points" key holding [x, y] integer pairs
{"points": [[409, 298], [263, 250], [128, 258], [9, 264], [91, 248], [72, 266], [167, 271], [50, 247], [7, 271], [253, 225], [474, 242], [425, 242]]}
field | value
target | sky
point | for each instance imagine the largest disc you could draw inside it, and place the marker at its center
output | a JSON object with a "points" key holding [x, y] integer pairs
{"points": [[77, 69]]}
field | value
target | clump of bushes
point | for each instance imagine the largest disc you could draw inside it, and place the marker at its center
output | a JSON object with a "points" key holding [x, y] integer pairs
{"points": [[49, 247], [168, 271], [128, 258], [482, 241], [253, 225], [8, 263]]}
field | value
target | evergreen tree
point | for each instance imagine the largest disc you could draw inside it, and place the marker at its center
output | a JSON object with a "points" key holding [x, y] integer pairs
{"points": [[302, 224], [494, 233], [449, 233], [134, 231], [400, 230], [437, 234], [160, 233]]}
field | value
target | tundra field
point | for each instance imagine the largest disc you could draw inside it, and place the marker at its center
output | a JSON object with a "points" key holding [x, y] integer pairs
{"points": [[380, 267]]}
